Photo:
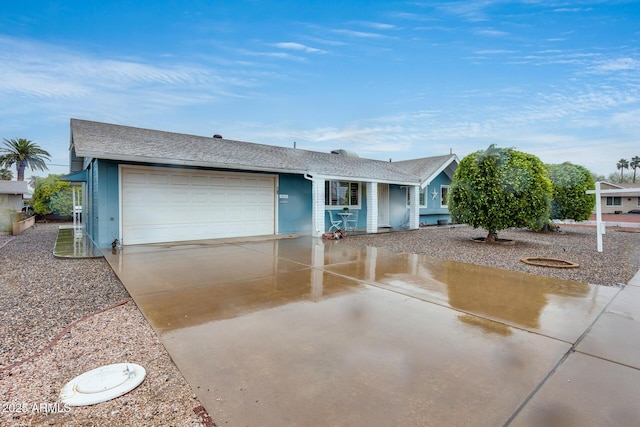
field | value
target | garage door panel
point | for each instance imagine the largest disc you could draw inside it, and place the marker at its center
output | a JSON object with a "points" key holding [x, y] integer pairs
{"points": [[163, 205]]}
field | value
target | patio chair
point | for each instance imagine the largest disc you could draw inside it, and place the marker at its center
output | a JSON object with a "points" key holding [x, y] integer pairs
{"points": [[352, 221], [335, 223]]}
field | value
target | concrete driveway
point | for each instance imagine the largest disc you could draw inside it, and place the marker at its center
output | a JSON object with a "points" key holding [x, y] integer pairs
{"points": [[304, 332]]}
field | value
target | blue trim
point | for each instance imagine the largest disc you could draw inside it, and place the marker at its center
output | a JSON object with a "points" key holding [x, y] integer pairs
{"points": [[80, 176]]}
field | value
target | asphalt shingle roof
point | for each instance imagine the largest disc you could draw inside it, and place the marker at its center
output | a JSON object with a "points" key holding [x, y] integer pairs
{"points": [[116, 142]]}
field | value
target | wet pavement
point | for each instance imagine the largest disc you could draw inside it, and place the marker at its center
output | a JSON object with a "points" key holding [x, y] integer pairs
{"points": [[74, 243], [300, 331]]}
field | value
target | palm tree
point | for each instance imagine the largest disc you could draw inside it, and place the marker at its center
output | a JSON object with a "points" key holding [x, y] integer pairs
{"points": [[622, 165], [32, 181], [6, 175], [23, 153], [634, 163]]}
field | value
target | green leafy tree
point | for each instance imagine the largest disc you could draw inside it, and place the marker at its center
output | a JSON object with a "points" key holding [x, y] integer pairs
{"points": [[500, 188], [52, 196], [570, 183], [6, 174], [617, 178], [634, 164], [23, 153], [597, 177]]}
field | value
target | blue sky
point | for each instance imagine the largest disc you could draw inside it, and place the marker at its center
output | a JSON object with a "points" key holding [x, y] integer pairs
{"points": [[387, 79]]}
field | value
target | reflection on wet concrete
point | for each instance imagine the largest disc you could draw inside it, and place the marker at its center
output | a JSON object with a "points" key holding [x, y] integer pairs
{"points": [[310, 251], [306, 332], [485, 325], [518, 299], [196, 305], [74, 243], [370, 357]]}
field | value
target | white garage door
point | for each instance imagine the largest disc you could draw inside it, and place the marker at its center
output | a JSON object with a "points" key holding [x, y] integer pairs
{"points": [[170, 205]]}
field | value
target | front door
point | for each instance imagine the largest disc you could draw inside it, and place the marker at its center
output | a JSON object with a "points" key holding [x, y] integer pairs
{"points": [[383, 205]]}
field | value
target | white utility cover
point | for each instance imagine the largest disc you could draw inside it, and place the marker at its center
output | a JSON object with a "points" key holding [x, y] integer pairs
{"points": [[173, 204], [102, 384]]}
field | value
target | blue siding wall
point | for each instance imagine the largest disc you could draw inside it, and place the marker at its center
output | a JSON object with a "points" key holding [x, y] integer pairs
{"points": [[434, 212], [294, 204], [102, 217], [103, 211]]}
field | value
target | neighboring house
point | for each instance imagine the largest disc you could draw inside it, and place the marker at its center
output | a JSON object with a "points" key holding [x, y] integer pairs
{"points": [[11, 195], [149, 186], [620, 202]]}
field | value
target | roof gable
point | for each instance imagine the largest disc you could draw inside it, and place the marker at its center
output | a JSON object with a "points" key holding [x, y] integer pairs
{"points": [[428, 168]]}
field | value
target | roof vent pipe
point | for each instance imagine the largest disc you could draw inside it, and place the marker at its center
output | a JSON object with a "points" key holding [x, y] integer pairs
{"points": [[345, 153]]}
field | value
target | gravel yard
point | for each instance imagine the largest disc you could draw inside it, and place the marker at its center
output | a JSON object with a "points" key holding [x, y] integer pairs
{"points": [[62, 317], [617, 264]]}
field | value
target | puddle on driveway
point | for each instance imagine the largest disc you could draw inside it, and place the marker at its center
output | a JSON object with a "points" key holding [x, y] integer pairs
{"points": [[305, 332], [558, 308], [167, 311]]}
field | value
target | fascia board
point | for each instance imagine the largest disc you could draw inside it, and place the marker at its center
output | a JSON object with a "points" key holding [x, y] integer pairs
{"points": [[358, 179], [194, 163]]}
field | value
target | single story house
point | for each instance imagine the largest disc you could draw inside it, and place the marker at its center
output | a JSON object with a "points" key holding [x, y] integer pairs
{"points": [[620, 202], [148, 186], [11, 195]]}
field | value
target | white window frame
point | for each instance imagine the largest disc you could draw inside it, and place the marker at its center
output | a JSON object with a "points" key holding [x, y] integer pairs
{"points": [[421, 195], [443, 196], [612, 199], [329, 190]]}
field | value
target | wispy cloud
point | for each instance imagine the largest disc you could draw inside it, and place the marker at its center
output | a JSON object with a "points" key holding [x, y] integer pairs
{"points": [[376, 25], [473, 11], [573, 9], [45, 71], [358, 34], [298, 47], [271, 54], [494, 52], [618, 64], [490, 32]]}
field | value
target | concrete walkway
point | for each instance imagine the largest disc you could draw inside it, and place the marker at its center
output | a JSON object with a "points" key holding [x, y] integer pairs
{"points": [[74, 243], [304, 332]]}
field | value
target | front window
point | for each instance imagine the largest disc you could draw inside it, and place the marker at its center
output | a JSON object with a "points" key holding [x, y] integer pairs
{"points": [[342, 194], [638, 201], [444, 190], [421, 198], [614, 201]]}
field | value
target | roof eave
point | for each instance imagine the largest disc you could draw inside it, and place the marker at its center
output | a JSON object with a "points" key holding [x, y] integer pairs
{"points": [[182, 162], [363, 179]]}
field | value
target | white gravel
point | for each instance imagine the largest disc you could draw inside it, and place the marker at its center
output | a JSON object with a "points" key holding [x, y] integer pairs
{"points": [[53, 328], [50, 335]]}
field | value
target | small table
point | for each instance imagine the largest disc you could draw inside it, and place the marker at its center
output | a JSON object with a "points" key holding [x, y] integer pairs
{"points": [[345, 216]]}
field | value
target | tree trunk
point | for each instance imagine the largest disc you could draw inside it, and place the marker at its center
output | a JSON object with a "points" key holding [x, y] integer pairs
{"points": [[492, 236], [20, 166]]}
